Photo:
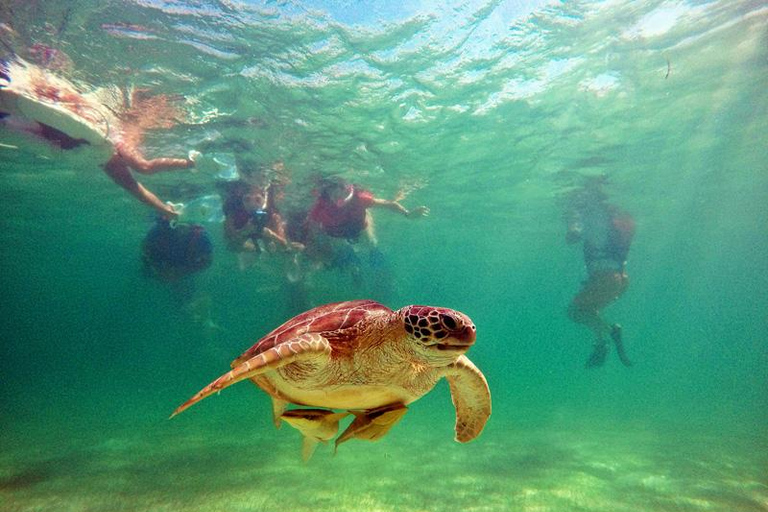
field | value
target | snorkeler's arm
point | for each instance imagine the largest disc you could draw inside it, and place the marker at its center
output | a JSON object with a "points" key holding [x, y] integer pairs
{"points": [[118, 170], [278, 235], [395, 206]]}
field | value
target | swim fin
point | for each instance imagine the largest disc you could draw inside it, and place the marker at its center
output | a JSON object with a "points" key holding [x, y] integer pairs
{"points": [[616, 337], [597, 358]]}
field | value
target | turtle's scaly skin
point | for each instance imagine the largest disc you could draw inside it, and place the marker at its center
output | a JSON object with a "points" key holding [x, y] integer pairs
{"points": [[360, 356]]}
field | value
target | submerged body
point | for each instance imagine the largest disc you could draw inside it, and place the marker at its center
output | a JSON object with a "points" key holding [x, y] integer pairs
{"points": [[173, 252], [39, 102], [362, 357], [606, 232]]}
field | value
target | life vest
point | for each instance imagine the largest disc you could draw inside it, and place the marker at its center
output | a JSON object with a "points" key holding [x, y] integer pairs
{"points": [[343, 219]]}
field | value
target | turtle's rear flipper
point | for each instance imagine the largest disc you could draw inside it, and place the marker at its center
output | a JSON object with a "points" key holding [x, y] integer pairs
{"points": [[315, 425], [616, 337], [597, 358], [372, 425]]}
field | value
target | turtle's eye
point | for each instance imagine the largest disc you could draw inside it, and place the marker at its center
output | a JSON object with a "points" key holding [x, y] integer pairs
{"points": [[449, 322]]}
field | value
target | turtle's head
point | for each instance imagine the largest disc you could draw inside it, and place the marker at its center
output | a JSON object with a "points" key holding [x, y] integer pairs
{"points": [[441, 332]]}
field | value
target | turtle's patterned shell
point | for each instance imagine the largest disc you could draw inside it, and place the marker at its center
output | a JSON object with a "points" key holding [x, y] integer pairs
{"points": [[327, 318]]}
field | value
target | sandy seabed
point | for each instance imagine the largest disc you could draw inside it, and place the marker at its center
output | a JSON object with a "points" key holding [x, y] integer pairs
{"points": [[211, 467]]}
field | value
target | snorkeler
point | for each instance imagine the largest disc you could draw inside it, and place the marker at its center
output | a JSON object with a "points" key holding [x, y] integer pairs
{"points": [[339, 218], [172, 251], [175, 253], [253, 223], [36, 101], [254, 227], [341, 210], [606, 232]]}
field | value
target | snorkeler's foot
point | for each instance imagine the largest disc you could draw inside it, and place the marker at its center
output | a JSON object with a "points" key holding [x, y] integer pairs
{"points": [[599, 353], [616, 337]]}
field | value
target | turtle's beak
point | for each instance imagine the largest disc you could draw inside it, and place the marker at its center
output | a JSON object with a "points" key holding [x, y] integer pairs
{"points": [[459, 340], [466, 335]]}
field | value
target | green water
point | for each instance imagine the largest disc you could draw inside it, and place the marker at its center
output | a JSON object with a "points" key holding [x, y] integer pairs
{"points": [[487, 113]]}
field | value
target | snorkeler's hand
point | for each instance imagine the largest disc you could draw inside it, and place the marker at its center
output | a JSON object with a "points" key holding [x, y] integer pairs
{"points": [[171, 212], [419, 211]]}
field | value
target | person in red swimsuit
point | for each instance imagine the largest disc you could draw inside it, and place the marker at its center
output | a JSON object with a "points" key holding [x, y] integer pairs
{"points": [[607, 233], [341, 210], [339, 218]]}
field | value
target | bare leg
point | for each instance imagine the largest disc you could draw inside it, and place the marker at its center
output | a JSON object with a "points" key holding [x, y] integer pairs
{"points": [[591, 319], [600, 290], [370, 230], [599, 327], [118, 170], [134, 159]]}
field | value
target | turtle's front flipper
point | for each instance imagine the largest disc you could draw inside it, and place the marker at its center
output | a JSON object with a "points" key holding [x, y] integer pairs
{"points": [[315, 425], [302, 348], [471, 398], [374, 424]]}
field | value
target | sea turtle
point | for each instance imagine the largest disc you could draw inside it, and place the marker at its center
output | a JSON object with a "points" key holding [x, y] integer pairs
{"points": [[362, 358]]}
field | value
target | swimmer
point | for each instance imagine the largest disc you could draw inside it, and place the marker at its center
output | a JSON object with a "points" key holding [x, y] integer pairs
{"points": [[606, 232], [342, 210], [41, 103]]}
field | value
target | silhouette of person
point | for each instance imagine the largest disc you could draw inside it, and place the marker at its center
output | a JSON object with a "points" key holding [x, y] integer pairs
{"points": [[606, 232]]}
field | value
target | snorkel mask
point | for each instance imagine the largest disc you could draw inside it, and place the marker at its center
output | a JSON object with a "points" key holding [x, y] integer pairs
{"points": [[349, 191]]}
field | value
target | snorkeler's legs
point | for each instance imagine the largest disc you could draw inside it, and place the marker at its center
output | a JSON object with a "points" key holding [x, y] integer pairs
{"points": [[297, 297], [247, 259], [590, 318], [133, 158], [600, 289], [599, 328], [120, 174]]}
